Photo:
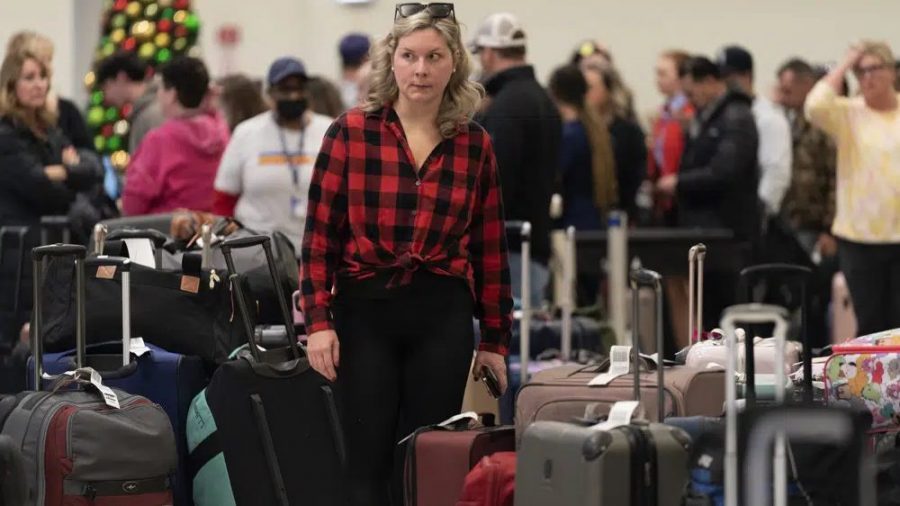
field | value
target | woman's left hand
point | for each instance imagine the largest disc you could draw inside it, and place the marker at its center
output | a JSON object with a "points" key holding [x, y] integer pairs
{"points": [[70, 156], [495, 362]]}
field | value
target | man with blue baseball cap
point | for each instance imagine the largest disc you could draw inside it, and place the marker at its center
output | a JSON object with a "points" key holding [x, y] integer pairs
{"points": [[264, 175], [354, 50]]}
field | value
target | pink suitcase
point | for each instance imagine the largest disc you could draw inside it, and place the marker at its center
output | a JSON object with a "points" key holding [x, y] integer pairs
{"points": [[843, 319]]}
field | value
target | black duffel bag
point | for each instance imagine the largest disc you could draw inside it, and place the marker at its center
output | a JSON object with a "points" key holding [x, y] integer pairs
{"points": [[190, 311]]}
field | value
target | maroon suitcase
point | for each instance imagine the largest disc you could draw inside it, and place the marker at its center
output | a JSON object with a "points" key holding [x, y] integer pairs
{"points": [[439, 457]]}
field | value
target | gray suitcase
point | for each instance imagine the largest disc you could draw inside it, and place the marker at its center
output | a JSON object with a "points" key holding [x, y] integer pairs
{"points": [[571, 463]]}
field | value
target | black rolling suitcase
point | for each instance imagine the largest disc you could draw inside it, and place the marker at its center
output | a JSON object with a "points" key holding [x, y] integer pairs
{"points": [[266, 430]]}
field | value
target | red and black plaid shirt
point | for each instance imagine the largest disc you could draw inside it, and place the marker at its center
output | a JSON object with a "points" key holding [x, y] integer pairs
{"points": [[370, 212]]}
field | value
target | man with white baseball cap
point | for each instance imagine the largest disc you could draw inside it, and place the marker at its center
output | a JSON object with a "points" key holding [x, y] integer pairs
{"points": [[526, 128]]}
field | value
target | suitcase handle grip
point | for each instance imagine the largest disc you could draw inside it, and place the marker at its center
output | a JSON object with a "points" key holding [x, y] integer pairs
{"points": [[59, 221], [244, 242], [59, 250], [645, 277], [756, 271], [155, 236], [523, 227], [121, 263]]}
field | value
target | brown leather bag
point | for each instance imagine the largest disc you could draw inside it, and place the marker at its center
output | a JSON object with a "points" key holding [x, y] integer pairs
{"points": [[563, 393]]}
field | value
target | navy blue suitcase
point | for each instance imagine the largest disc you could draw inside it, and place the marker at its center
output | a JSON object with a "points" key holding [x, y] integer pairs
{"points": [[168, 379]]}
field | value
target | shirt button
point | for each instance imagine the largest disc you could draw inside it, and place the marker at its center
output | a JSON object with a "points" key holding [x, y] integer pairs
{"points": [[418, 182]]}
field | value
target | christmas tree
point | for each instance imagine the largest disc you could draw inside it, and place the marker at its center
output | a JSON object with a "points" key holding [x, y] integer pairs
{"points": [[157, 30]]}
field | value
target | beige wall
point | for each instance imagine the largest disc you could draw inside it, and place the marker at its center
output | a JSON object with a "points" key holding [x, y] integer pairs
{"points": [[636, 30]]}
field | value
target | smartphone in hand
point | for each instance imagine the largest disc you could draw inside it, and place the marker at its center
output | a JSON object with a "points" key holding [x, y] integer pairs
{"points": [[490, 381]]}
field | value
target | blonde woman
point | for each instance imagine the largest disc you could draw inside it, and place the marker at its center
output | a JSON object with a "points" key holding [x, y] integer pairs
{"points": [[866, 131], [405, 221]]}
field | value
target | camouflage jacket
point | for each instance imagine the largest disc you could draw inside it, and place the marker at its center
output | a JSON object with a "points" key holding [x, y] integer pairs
{"points": [[810, 201]]}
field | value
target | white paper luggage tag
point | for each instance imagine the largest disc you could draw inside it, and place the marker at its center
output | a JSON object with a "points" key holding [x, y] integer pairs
{"points": [[621, 414], [138, 348], [471, 416], [86, 373], [619, 364]]}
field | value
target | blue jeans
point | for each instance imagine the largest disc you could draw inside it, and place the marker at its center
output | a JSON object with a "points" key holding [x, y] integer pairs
{"points": [[540, 276]]}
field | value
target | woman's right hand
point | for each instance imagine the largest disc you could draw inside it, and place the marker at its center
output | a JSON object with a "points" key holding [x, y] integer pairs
{"points": [[854, 54], [56, 173], [323, 349]]}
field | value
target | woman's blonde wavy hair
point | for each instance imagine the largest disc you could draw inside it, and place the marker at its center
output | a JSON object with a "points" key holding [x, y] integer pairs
{"points": [[10, 71], [461, 97]]}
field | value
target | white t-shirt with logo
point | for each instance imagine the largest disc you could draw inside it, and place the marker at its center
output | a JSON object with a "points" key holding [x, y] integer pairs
{"points": [[255, 167]]}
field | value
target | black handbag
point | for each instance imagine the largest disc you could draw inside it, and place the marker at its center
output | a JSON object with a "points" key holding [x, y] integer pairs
{"points": [[190, 311]]}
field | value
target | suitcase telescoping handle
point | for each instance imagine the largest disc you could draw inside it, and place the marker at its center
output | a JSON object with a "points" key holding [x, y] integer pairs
{"points": [[101, 231], [568, 307], [249, 242], [60, 223], [696, 256], [800, 424], [38, 255], [524, 229], [647, 278], [123, 265], [791, 274]]}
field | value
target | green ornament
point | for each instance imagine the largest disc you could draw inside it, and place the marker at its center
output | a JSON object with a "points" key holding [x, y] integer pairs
{"points": [[168, 13], [151, 11], [95, 116], [192, 23], [99, 143], [108, 49], [97, 98], [114, 143], [180, 44], [112, 114], [163, 55], [120, 20]]}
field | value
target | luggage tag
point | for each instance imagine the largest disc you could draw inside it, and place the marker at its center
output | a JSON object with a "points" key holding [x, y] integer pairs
{"points": [[619, 365], [468, 417], [138, 348], [621, 413], [86, 373]]}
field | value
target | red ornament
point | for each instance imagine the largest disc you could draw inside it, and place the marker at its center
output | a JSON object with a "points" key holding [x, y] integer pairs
{"points": [[164, 25], [181, 4], [106, 131], [126, 110], [181, 31], [120, 5], [229, 35], [129, 44]]}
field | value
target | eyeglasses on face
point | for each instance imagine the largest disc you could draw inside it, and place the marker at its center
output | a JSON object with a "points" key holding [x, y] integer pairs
{"points": [[868, 70], [435, 10]]}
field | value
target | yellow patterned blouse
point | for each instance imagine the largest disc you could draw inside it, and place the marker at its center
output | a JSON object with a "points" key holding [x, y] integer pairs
{"points": [[868, 165]]}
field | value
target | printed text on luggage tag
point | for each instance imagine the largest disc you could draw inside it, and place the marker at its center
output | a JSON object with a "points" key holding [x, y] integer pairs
{"points": [[619, 364], [109, 397]]}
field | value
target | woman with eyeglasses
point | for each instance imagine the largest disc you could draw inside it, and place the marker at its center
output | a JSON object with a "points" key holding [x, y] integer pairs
{"points": [[405, 222], [866, 130]]}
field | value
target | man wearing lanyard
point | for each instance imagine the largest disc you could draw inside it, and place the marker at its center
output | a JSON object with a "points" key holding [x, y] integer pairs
{"points": [[264, 175]]}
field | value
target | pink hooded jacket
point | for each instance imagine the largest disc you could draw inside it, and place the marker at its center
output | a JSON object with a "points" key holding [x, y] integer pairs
{"points": [[175, 166]]}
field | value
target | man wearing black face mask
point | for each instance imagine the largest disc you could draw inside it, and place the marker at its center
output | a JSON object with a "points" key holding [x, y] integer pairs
{"points": [[264, 175]]}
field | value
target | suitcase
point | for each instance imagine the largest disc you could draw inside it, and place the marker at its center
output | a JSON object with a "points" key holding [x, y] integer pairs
{"points": [[83, 442], [492, 482], [12, 313], [564, 393], [439, 457], [266, 430], [843, 319], [573, 463], [168, 379]]}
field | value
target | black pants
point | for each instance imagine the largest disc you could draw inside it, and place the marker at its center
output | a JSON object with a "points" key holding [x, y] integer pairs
{"points": [[873, 277], [404, 360]]}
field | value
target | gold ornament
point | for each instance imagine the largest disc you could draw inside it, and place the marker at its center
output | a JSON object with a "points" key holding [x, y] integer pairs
{"points": [[143, 30], [90, 79], [151, 11], [165, 3], [195, 52], [179, 17], [117, 35], [180, 44], [147, 50], [133, 9], [120, 160], [162, 39]]}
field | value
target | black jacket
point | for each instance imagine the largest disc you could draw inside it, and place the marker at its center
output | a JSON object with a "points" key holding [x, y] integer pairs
{"points": [[630, 152], [72, 124], [719, 172], [526, 130]]}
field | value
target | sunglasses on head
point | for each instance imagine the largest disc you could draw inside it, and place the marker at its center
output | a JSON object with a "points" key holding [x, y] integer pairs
{"points": [[435, 10]]}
